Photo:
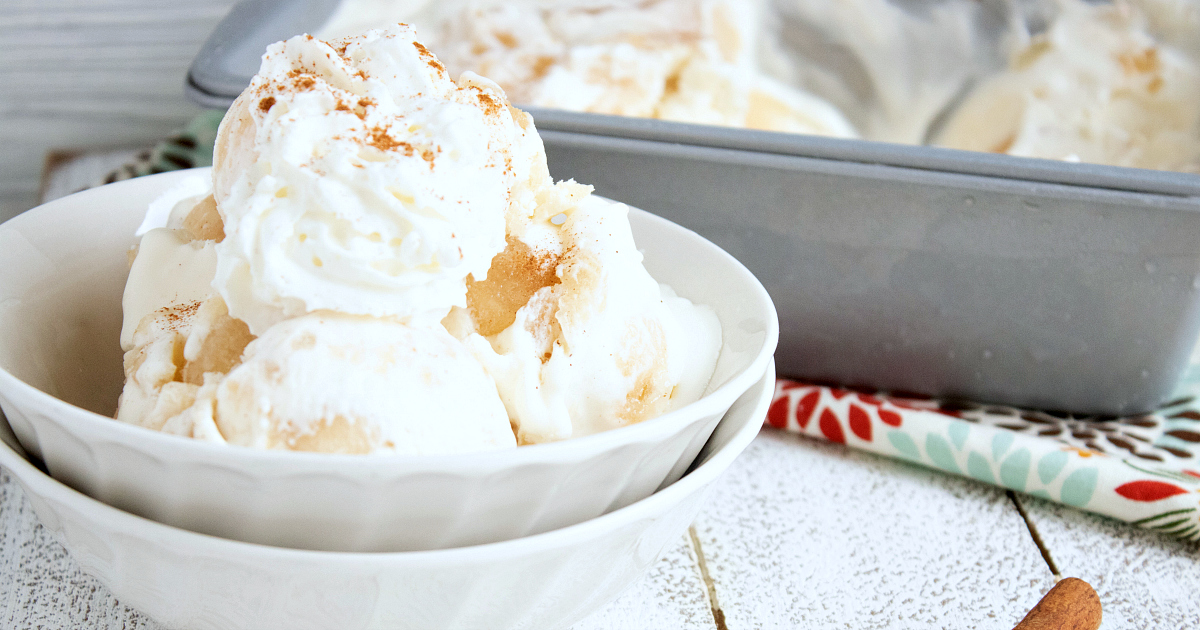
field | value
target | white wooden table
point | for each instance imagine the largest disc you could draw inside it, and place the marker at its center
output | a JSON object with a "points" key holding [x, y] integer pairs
{"points": [[797, 534]]}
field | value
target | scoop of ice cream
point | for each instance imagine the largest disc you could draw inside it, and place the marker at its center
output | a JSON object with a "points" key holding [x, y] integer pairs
{"points": [[1096, 88], [578, 335], [356, 176], [173, 348], [326, 382], [335, 383], [673, 59], [171, 269], [176, 328], [153, 391]]}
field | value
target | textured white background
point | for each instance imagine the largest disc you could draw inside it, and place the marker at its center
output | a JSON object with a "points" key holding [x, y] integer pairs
{"points": [[797, 534]]}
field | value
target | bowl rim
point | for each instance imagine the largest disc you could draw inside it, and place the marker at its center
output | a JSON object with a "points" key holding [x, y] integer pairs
{"points": [[108, 430], [41, 485]]}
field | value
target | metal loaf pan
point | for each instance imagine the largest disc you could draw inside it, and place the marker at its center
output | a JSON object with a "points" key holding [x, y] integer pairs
{"points": [[939, 272], [1037, 283]]}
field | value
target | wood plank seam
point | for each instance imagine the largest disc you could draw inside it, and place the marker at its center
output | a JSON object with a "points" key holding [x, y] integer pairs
{"points": [[709, 584], [1033, 532]]}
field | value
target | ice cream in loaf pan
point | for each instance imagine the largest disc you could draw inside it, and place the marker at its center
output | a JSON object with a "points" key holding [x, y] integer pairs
{"points": [[1107, 83], [679, 60], [1103, 84]]}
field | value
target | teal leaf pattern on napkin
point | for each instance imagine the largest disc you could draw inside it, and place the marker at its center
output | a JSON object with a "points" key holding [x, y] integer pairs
{"points": [[938, 450], [1050, 465], [958, 433], [1015, 470], [1077, 488], [979, 468], [1000, 443], [905, 444]]}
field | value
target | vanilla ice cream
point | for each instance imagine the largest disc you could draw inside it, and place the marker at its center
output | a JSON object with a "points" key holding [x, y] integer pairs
{"points": [[683, 60], [385, 266], [364, 180], [598, 344], [331, 382], [1096, 87]]}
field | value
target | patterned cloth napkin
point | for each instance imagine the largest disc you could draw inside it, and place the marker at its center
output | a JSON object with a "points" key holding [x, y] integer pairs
{"points": [[1139, 469], [1143, 469]]}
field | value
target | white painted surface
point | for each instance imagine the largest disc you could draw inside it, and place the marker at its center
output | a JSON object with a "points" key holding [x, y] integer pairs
{"points": [[41, 586], [1144, 579], [670, 595], [807, 534]]}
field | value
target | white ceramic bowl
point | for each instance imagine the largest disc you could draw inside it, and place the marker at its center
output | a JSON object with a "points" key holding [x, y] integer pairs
{"points": [[62, 272], [188, 580]]}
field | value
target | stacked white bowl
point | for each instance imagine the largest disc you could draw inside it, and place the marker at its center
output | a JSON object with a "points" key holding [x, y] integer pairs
{"points": [[199, 535]]}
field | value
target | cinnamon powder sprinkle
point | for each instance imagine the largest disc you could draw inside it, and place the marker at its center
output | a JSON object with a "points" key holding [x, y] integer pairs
{"points": [[266, 104], [301, 80], [379, 138], [360, 109], [178, 315], [490, 105], [429, 57]]}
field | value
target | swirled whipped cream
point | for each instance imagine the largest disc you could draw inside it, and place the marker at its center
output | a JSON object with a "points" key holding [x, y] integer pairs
{"points": [[356, 176]]}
